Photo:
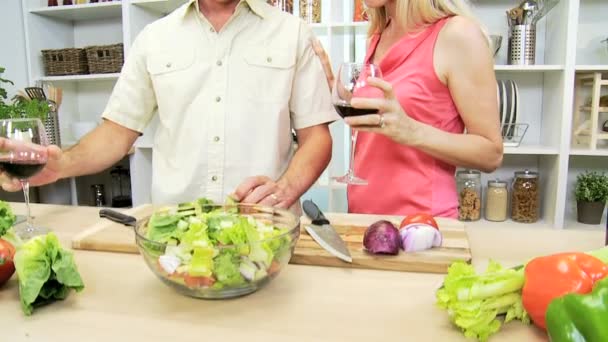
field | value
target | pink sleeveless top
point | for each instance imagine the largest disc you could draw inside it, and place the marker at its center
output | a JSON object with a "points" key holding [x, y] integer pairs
{"points": [[403, 180]]}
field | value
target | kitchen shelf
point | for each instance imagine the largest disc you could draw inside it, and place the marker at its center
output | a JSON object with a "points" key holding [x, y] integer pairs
{"points": [[601, 109], [532, 150], [528, 68], [573, 224], [339, 25], [483, 223], [588, 152], [159, 6], [592, 68], [95, 11], [80, 78]]}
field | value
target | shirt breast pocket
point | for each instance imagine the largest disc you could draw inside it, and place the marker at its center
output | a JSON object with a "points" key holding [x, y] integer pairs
{"points": [[269, 75], [169, 70]]}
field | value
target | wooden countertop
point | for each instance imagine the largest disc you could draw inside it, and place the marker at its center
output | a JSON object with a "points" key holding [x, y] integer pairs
{"points": [[123, 300]]}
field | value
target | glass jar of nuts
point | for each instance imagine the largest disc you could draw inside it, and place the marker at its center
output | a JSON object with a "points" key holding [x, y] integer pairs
{"points": [[283, 5], [469, 195], [525, 197], [310, 11]]}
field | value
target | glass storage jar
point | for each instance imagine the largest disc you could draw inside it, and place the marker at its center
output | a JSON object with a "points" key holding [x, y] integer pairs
{"points": [[359, 11], [469, 195], [497, 201], [310, 11], [283, 5], [525, 201]]}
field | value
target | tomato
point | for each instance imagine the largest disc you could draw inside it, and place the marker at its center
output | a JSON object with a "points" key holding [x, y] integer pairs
{"points": [[193, 282], [7, 267], [275, 267], [419, 218]]}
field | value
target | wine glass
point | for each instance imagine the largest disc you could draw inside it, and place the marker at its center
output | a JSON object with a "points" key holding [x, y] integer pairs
{"points": [[351, 81], [22, 156]]}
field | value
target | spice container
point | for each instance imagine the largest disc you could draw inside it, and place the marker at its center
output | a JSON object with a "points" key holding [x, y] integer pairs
{"points": [[525, 206], [497, 201], [283, 5], [469, 195], [310, 10], [52, 3], [359, 12]]}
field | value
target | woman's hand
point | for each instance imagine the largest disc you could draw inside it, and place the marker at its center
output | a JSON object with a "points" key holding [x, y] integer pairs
{"points": [[318, 48], [391, 120]]}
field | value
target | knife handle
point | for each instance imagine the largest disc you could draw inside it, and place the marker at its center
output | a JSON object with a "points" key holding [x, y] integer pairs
{"points": [[117, 217], [311, 209]]}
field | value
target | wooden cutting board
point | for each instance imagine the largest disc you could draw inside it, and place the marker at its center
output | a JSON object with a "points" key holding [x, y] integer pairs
{"points": [[108, 236]]}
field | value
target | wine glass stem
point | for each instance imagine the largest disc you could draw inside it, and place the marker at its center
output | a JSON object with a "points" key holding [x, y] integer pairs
{"points": [[26, 195], [353, 142]]}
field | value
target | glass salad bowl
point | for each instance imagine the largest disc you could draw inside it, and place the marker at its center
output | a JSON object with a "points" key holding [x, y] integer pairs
{"points": [[212, 251]]}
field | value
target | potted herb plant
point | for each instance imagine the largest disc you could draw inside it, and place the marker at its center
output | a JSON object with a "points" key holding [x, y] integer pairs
{"points": [[19, 106], [591, 196]]}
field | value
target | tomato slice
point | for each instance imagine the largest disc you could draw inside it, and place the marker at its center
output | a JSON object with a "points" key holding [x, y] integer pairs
{"points": [[194, 282], [419, 218]]}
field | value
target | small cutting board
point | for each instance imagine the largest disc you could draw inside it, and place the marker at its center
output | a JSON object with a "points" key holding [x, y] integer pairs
{"points": [[108, 236]]}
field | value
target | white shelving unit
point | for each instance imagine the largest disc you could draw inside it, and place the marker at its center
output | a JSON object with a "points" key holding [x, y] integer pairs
{"points": [[568, 42]]}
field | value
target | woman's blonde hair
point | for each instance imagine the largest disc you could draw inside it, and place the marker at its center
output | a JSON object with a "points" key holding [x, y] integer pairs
{"points": [[415, 14]]}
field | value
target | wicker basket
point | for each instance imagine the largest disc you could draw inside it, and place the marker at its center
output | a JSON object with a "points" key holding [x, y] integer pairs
{"points": [[105, 58], [65, 62]]}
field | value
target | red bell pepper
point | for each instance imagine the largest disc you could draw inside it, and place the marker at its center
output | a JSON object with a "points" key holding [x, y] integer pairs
{"points": [[553, 276]]}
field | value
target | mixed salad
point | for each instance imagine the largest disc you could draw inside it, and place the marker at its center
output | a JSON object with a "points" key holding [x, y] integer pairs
{"points": [[211, 246]]}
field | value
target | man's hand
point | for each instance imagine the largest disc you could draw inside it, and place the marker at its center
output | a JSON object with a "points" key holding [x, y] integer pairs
{"points": [[264, 191], [329, 74], [49, 174]]}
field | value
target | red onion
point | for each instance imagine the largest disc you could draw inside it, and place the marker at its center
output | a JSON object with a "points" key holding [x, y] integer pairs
{"points": [[382, 237], [418, 237]]}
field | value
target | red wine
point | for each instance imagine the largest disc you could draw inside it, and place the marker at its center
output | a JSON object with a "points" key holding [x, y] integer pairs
{"points": [[346, 110], [21, 169]]}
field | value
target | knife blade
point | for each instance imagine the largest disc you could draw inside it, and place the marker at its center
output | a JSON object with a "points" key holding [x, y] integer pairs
{"points": [[323, 233], [119, 217]]}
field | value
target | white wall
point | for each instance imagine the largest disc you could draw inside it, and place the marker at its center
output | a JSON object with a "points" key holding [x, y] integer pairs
{"points": [[12, 52]]}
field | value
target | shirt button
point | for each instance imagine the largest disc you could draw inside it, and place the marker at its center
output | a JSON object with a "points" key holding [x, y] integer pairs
{"points": [[214, 178], [218, 99], [168, 65], [211, 30], [216, 139], [219, 63], [269, 59]]}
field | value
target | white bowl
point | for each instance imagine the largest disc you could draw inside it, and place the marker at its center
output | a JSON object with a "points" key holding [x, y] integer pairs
{"points": [[81, 128]]}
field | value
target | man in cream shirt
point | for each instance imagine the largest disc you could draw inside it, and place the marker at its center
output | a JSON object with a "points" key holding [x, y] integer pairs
{"points": [[229, 80]]}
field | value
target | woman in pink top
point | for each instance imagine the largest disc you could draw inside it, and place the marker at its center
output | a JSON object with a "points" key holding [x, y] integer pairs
{"points": [[438, 80]]}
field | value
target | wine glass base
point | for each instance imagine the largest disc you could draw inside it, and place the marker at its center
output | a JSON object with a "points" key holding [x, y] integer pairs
{"points": [[350, 179], [26, 233]]}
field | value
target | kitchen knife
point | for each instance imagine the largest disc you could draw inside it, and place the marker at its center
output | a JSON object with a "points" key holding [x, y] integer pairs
{"points": [[118, 217], [323, 233]]}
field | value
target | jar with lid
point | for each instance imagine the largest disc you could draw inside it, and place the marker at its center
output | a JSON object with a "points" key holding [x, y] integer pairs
{"points": [[310, 11], [469, 195], [525, 206], [283, 5], [359, 11], [497, 201]]}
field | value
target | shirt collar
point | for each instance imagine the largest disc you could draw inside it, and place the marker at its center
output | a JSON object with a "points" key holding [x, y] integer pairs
{"points": [[256, 6]]}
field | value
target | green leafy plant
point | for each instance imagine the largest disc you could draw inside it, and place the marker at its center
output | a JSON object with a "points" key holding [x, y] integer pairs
{"points": [[20, 107], [591, 186]]}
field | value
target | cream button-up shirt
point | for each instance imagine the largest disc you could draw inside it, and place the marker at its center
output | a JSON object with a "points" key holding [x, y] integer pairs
{"points": [[226, 101]]}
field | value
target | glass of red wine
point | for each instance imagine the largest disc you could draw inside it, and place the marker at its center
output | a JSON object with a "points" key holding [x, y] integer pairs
{"points": [[23, 154], [351, 81]]}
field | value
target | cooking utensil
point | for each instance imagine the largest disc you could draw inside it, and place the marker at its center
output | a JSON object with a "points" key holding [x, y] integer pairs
{"points": [[496, 43], [544, 8], [323, 233], [35, 93], [118, 217]]}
